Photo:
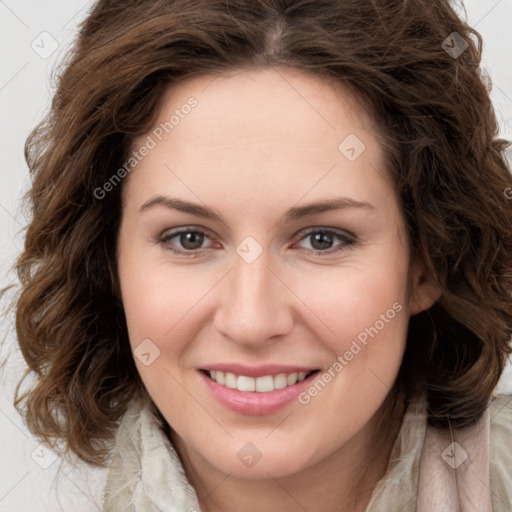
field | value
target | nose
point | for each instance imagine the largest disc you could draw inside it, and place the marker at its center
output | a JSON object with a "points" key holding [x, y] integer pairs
{"points": [[255, 305]]}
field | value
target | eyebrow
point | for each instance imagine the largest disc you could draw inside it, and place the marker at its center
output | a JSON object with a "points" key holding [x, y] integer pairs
{"points": [[294, 213]]}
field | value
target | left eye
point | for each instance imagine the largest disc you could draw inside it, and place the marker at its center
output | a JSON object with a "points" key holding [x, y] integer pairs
{"points": [[321, 240]]}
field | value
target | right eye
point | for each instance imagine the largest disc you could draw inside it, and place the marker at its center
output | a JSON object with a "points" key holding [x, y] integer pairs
{"points": [[188, 240]]}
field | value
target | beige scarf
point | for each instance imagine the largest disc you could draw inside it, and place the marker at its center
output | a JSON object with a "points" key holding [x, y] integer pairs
{"points": [[429, 471]]}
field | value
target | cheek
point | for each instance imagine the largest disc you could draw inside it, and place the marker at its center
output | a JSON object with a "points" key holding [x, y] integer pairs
{"points": [[146, 304], [166, 305], [159, 305], [352, 300], [364, 328], [155, 295]]}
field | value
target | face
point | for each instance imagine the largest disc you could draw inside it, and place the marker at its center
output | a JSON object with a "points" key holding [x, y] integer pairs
{"points": [[261, 240]]}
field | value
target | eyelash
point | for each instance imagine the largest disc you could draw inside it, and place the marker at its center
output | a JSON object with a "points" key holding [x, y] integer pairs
{"points": [[348, 242]]}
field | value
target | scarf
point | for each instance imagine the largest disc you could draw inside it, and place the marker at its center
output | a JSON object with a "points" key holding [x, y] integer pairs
{"points": [[430, 470]]}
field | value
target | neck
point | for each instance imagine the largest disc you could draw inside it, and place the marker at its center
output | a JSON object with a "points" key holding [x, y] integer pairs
{"points": [[347, 476]]}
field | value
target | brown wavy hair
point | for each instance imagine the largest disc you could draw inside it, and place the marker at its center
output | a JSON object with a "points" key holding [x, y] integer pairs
{"points": [[442, 149]]}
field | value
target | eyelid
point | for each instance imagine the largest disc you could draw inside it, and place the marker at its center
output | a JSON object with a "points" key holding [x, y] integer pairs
{"points": [[324, 229], [171, 233]]}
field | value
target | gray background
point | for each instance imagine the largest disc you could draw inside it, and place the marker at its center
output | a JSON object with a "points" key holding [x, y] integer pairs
{"points": [[28, 472]]}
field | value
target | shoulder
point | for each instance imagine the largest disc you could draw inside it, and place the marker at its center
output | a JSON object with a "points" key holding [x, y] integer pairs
{"points": [[500, 452]]}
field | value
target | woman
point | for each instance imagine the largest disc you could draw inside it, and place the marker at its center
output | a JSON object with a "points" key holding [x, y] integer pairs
{"points": [[271, 254]]}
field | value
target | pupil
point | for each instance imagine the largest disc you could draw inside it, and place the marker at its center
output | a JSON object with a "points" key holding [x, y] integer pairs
{"points": [[324, 240], [192, 240]]}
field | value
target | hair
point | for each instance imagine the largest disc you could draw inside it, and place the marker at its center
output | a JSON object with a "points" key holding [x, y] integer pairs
{"points": [[441, 148]]}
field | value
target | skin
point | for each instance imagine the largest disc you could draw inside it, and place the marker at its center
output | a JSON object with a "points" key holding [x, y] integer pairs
{"points": [[261, 141]]}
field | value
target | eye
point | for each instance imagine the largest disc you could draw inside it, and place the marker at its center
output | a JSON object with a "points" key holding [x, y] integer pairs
{"points": [[321, 240], [188, 241]]}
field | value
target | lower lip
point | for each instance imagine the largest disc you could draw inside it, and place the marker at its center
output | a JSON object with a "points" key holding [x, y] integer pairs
{"points": [[255, 403]]}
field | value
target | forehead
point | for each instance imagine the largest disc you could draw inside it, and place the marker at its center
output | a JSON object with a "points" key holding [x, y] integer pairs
{"points": [[265, 128], [253, 102]]}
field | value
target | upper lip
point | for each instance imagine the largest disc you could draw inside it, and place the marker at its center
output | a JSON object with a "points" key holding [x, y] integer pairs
{"points": [[256, 371]]}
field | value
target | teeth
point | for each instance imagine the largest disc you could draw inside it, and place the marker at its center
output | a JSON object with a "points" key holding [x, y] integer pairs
{"points": [[263, 384], [245, 383], [291, 379], [230, 380], [280, 381]]}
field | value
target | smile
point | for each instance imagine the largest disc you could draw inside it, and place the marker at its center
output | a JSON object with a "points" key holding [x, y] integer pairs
{"points": [[264, 384], [266, 389]]}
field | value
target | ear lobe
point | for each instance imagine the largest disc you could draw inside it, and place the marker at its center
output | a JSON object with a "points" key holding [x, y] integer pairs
{"points": [[425, 290]]}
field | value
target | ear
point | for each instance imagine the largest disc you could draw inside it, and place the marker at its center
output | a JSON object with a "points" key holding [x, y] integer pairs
{"points": [[424, 289]]}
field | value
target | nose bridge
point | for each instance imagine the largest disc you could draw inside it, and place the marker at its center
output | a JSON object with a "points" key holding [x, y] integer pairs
{"points": [[253, 303], [251, 283]]}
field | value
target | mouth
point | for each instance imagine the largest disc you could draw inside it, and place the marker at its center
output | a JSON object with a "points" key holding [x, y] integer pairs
{"points": [[261, 384], [256, 390]]}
